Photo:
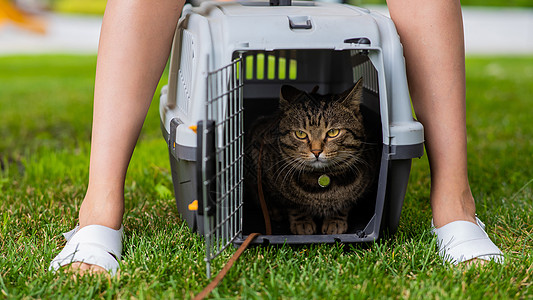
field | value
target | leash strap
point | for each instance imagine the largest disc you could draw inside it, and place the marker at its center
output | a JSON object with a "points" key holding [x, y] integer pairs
{"points": [[264, 208], [213, 284], [268, 227]]}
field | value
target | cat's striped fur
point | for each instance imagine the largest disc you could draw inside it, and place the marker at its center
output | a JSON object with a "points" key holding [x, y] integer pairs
{"points": [[313, 135]]}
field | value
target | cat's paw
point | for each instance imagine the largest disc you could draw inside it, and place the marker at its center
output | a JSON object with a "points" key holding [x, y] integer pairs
{"points": [[334, 226], [306, 226]]}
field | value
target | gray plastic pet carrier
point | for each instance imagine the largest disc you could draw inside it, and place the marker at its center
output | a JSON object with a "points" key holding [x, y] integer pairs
{"points": [[228, 62]]}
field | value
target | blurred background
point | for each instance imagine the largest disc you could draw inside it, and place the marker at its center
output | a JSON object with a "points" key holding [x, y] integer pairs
{"points": [[72, 26], [47, 67]]}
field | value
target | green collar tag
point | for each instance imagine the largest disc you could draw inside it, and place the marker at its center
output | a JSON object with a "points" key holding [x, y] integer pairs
{"points": [[324, 180]]}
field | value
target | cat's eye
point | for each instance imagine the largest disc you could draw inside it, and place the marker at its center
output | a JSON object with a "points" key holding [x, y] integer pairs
{"points": [[300, 134], [333, 133]]}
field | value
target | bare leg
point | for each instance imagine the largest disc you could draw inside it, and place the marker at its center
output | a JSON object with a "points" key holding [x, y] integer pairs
{"points": [[432, 36], [134, 47]]}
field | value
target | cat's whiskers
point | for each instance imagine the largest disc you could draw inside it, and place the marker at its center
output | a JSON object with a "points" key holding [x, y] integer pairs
{"points": [[350, 161], [361, 165], [294, 167], [287, 163], [280, 171], [300, 168], [275, 165]]}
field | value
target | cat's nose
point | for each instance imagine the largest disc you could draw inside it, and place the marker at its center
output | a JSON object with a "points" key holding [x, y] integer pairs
{"points": [[316, 152]]}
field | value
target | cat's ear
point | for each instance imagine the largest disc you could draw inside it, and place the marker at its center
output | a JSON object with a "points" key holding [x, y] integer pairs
{"points": [[288, 93], [352, 97]]}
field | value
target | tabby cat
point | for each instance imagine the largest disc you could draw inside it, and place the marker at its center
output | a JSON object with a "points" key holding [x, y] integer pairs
{"points": [[315, 161]]}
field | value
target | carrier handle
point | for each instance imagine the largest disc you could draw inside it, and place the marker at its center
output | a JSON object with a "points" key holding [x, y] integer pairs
{"points": [[300, 23], [280, 2]]}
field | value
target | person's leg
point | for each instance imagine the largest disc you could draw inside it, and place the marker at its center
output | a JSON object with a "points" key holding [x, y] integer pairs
{"points": [[432, 36], [134, 46]]}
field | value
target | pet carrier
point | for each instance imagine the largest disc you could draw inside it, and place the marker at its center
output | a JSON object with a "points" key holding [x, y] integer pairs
{"points": [[228, 62]]}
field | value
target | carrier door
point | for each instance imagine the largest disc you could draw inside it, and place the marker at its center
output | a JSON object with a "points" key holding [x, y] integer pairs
{"points": [[221, 148]]}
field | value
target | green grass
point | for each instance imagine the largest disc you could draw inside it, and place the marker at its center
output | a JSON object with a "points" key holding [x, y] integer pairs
{"points": [[45, 110]]}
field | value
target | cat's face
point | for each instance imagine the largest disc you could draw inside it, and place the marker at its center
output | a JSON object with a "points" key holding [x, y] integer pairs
{"points": [[321, 132]]}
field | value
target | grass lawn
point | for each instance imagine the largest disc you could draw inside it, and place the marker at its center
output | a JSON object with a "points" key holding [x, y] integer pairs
{"points": [[45, 110]]}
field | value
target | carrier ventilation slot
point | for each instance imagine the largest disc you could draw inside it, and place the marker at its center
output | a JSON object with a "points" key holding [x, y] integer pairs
{"points": [[270, 66], [363, 68], [187, 62]]}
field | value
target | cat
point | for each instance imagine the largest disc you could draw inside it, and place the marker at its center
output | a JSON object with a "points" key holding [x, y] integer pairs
{"points": [[315, 161]]}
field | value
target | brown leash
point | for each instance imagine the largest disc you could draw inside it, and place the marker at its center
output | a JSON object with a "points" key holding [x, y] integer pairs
{"points": [[264, 208], [213, 284], [268, 227]]}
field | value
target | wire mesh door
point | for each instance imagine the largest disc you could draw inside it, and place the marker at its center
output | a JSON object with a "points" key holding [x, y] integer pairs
{"points": [[222, 159]]}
